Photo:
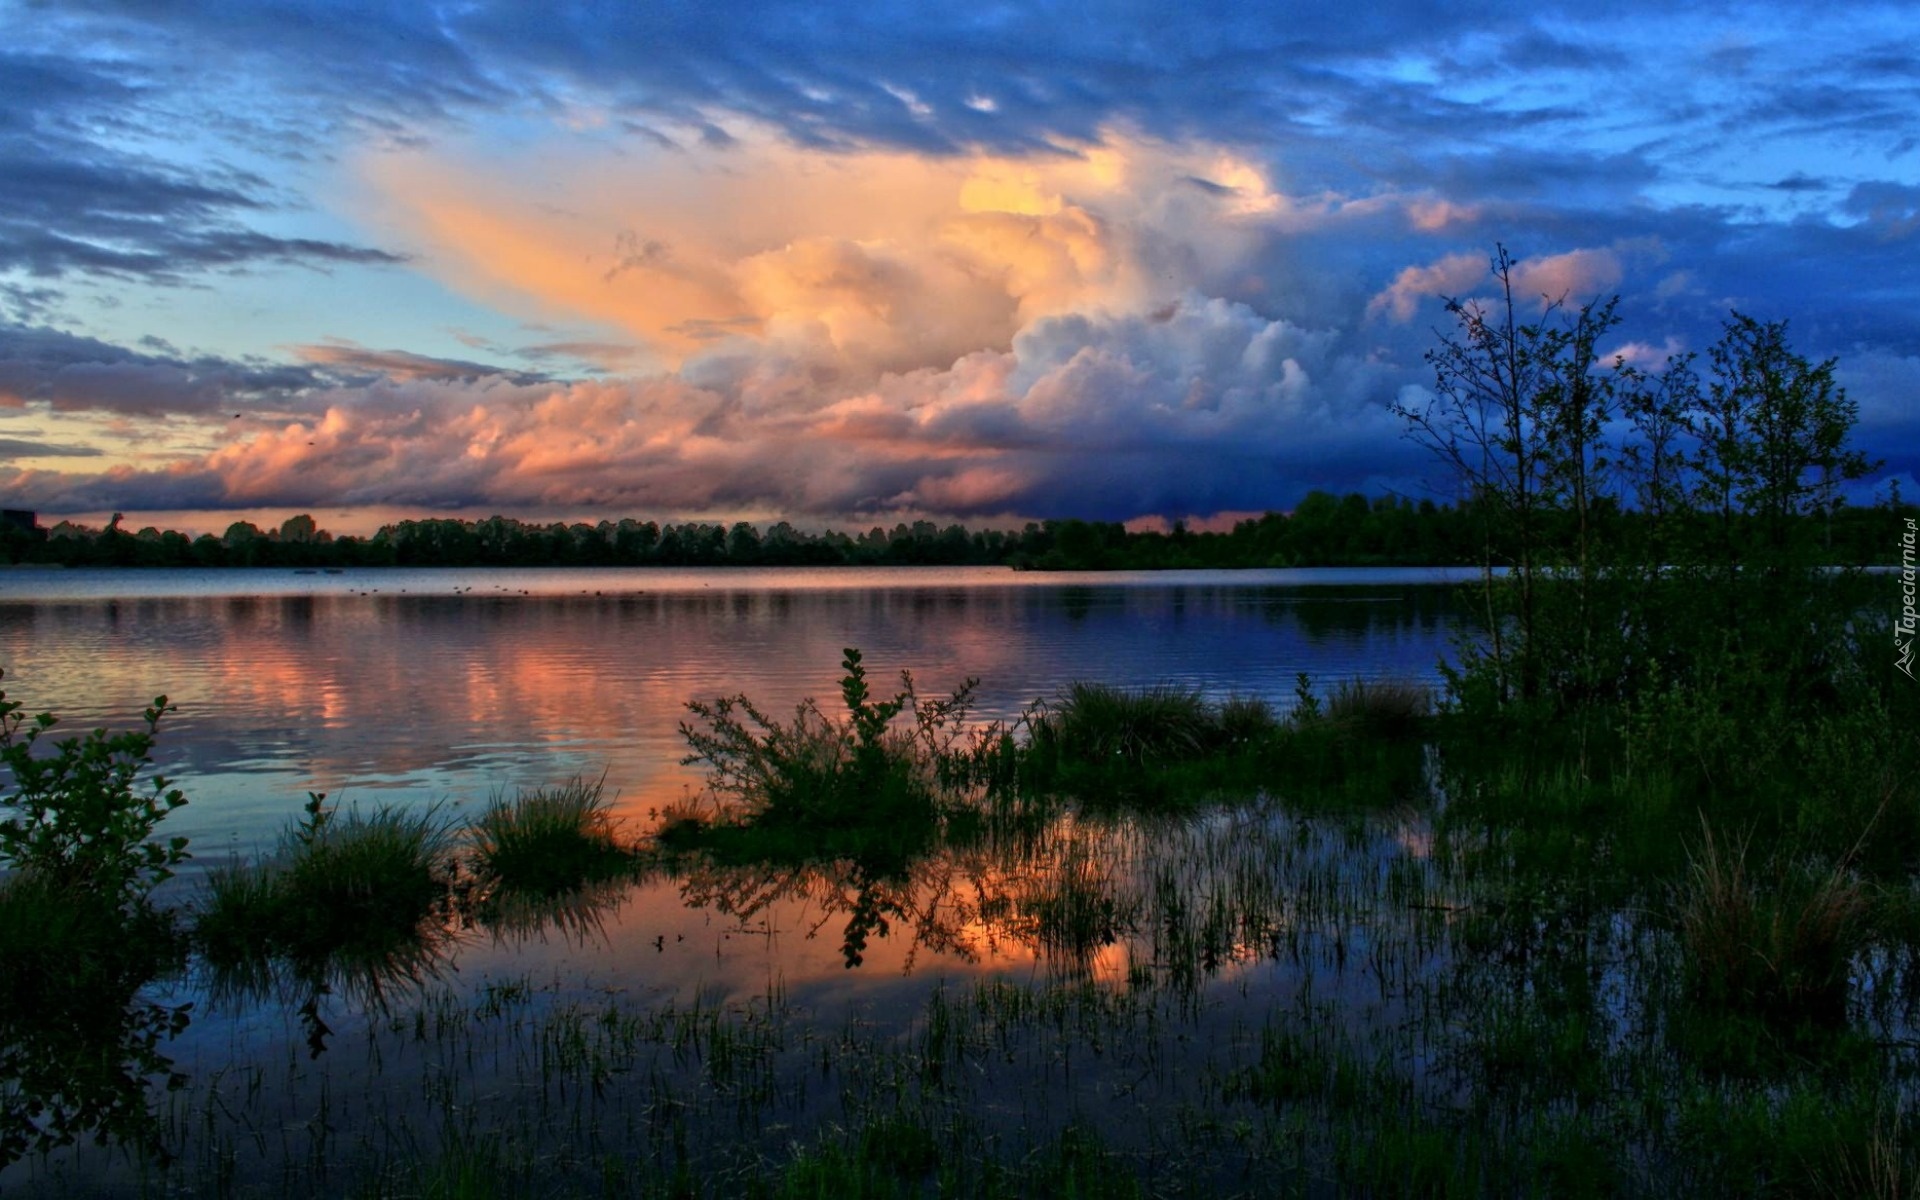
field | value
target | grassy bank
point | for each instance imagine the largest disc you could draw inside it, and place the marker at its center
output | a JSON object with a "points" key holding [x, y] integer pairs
{"points": [[1375, 942]]}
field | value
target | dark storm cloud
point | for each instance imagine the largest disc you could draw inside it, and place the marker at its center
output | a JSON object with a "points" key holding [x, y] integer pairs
{"points": [[19, 448], [73, 373], [75, 199]]}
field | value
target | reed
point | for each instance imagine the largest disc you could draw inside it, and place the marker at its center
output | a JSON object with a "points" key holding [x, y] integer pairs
{"points": [[1098, 724], [1382, 708], [362, 895], [548, 841], [1781, 950]]}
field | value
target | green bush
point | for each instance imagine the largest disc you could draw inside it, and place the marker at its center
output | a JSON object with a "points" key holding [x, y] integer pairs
{"points": [[825, 772], [80, 818], [79, 937]]}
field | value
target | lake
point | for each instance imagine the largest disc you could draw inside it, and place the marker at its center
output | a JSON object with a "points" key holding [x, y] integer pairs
{"points": [[445, 688], [424, 686]]}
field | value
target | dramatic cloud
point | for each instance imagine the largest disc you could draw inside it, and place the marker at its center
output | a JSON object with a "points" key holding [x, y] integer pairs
{"points": [[69, 373], [880, 261], [1027, 260], [1070, 419]]}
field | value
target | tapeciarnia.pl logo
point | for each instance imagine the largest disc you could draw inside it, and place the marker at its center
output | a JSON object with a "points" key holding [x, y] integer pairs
{"points": [[1904, 626]]}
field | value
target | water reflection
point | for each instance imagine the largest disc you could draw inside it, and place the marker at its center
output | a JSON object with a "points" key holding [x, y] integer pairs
{"points": [[1111, 897], [469, 690], [81, 1038], [457, 695]]}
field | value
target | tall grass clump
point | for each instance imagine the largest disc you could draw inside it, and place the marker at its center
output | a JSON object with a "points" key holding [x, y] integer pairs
{"points": [[1778, 950], [360, 893], [1383, 708], [1100, 724], [549, 841]]}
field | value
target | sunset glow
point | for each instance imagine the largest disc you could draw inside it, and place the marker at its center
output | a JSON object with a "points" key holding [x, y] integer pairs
{"points": [[723, 261]]}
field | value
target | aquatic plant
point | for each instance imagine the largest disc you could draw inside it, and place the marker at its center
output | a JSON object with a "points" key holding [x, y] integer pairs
{"points": [[852, 770], [1098, 723], [1246, 720], [358, 896], [1780, 950], [550, 840], [1384, 708]]}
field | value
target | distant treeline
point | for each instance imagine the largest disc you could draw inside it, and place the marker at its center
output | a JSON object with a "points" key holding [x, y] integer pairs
{"points": [[1324, 530]]}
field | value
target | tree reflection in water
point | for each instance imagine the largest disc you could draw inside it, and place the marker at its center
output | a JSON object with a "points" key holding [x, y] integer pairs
{"points": [[80, 1043], [1109, 897]]}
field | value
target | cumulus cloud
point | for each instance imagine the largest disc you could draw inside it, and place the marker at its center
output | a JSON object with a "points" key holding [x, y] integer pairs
{"points": [[1575, 277], [880, 260], [1080, 414], [1043, 261], [68, 372]]}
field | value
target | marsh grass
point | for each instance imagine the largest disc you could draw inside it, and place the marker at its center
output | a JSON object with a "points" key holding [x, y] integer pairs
{"points": [[366, 881], [1129, 727], [1245, 721], [549, 841], [1779, 949], [1380, 708], [362, 897]]}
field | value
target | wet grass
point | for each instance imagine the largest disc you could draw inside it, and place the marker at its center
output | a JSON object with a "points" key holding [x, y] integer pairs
{"points": [[1098, 724], [1394, 709], [1368, 949], [361, 898], [550, 841]]}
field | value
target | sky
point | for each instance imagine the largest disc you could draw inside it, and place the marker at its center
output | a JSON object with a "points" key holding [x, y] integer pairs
{"points": [[840, 264]]}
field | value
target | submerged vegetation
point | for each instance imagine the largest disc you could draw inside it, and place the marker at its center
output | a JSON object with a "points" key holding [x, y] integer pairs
{"points": [[1629, 906], [1671, 945]]}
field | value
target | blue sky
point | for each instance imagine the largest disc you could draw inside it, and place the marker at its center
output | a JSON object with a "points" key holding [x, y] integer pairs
{"points": [[851, 263]]}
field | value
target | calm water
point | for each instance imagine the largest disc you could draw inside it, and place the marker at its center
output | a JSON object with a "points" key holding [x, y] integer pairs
{"points": [[447, 687], [426, 686]]}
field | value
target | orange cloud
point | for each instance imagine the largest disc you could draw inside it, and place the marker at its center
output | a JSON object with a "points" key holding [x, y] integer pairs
{"points": [[882, 260], [1575, 276]]}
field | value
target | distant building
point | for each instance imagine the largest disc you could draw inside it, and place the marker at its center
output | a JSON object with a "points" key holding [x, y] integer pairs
{"points": [[19, 518]]}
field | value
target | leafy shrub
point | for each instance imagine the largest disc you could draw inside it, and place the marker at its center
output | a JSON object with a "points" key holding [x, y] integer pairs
{"points": [[80, 819], [849, 771], [79, 936]]}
